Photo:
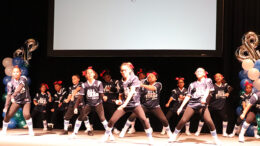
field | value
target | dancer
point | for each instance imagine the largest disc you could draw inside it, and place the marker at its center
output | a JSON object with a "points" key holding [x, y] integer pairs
{"points": [[17, 96], [217, 103], [142, 77], [93, 91], [178, 95], [71, 99], [40, 101], [250, 112], [59, 106], [150, 91], [110, 96], [198, 92], [130, 94]]}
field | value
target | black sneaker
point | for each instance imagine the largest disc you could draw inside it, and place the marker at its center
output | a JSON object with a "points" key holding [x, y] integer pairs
{"points": [[90, 133], [64, 132]]}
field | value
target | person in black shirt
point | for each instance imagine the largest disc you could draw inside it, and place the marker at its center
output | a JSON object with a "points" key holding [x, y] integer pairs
{"points": [[217, 102], [18, 95], [178, 95], [129, 94], [59, 106], [40, 101]]}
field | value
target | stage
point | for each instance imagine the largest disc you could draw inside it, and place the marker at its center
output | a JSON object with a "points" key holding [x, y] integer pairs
{"points": [[20, 137]]}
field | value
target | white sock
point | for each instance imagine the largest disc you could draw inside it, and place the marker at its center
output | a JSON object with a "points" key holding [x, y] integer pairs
{"points": [[127, 125], [87, 125], [187, 127], [108, 130], [168, 130], [30, 124], [176, 131], [244, 128], [214, 135], [77, 126], [5, 126], [200, 126], [148, 132], [105, 124], [224, 127], [66, 124], [44, 124], [255, 130]]}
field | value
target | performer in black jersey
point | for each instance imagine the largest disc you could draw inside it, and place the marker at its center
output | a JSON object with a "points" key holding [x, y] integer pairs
{"points": [[150, 97], [93, 92], [71, 99], [198, 93], [40, 101], [251, 110], [130, 94], [218, 102], [59, 105], [178, 95], [245, 101], [18, 95], [110, 96]]}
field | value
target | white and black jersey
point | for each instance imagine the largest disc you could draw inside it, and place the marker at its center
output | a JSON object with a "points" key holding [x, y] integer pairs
{"points": [[197, 90], [125, 86], [42, 100], [24, 95], [59, 97], [255, 101], [151, 99], [176, 100], [71, 89], [245, 97], [218, 99], [111, 90], [92, 92]]}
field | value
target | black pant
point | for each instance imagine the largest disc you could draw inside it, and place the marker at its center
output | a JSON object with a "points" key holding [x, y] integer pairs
{"points": [[57, 115], [137, 110], [155, 111], [41, 114], [222, 113], [99, 109], [70, 113], [190, 111], [13, 109]]}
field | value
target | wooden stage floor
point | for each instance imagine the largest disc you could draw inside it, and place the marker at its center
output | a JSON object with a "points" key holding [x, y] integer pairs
{"points": [[20, 137]]}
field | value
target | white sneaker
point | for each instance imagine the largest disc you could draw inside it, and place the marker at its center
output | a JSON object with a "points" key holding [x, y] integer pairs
{"points": [[163, 131], [105, 137], [45, 129], [73, 135], [224, 134], [151, 141], [231, 135], [197, 133], [31, 133], [116, 131], [131, 130], [122, 133], [187, 133], [241, 138], [3, 133], [257, 136], [111, 137], [218, 142]]}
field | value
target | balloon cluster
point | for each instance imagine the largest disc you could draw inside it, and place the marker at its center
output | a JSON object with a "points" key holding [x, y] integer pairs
{"points": [[21, 59], [250, 58]]}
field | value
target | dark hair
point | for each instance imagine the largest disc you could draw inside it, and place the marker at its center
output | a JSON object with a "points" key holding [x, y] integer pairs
{"points": [[76, 75], [153, 72]]}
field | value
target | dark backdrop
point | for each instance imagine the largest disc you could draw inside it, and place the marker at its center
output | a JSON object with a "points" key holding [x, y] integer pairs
{"points": [[28, 19]]}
